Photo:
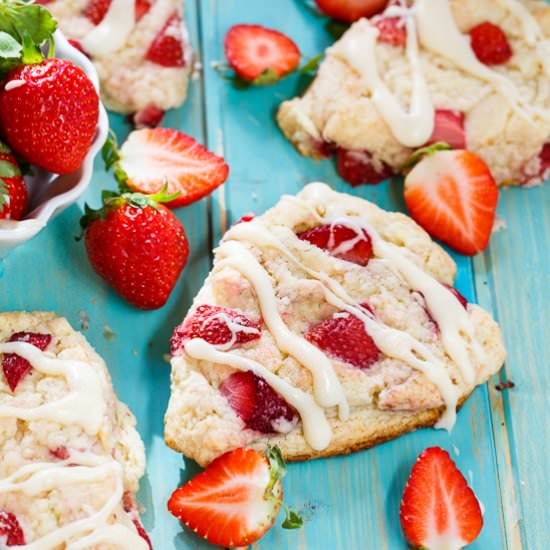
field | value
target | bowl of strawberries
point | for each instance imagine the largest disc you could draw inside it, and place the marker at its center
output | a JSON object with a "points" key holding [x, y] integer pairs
{"points": [[52, 123]]}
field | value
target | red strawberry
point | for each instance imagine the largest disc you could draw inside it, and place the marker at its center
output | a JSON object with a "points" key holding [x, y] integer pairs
{"points": [[490, 44], [167, 48], [211, 324], [357, 167], [351, 10], [449, 128], [15, 367], [149, 117], [96, 10], [153, 157], [344, 337], [58, 139], [142, 533], [61, 453], [234, 501], [251, 50], [137, 245], [341, 241], [392, 30], [11, 530], [458, 296], [13, 191], [453, 196], [438, 509], [256, 403], [245, 218], [538, 169]]}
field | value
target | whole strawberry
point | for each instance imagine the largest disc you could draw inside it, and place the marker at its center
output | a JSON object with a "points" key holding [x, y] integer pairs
{"points": [[49, 113], [13, 192], [137, 245]]}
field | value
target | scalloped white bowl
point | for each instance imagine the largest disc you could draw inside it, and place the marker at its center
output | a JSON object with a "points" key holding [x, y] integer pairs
{"points": [[50, 194]]}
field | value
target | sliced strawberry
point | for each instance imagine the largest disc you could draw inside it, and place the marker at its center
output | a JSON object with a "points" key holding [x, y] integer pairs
{"points": [[61, 453], [11, 530], [167, 48], [449, 128], [149, 117], [259, 406], [252, 49], [15, 367], [438, 509], [142, 533], [392, 30], [217, 325], [351, 10], [453, 196], [96, 10], [344, 337], [490, 44], [234, 501], [357, 167], [153, 157], [341, 241]]}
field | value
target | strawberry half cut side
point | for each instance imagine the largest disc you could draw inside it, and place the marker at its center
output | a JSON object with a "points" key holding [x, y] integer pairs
{"points": [[438, 509], [235, 500], [344, 337], [217, 325], [11, 529], [259, 406], [341, 241], [15, 367]]}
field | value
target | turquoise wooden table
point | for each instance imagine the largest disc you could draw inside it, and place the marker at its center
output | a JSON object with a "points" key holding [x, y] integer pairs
{"points": [[501, 439]]}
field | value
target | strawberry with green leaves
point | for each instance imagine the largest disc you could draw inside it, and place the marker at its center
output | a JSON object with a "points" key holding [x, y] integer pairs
{"points": [[137, 246], [236, 499], [13, 191]]}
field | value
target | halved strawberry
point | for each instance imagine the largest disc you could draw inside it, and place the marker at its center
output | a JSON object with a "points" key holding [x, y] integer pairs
{"points": [[344, 337], [11, 529], [15, 367], [392, 30], [341, 241], [351, 10], [453, 196], [252, 50], [259, 406], [490, 44], [235, 501], [153, 157], [217, 325], [438, 509], [449, 128], [167, 48], [96, 10], [357, 167]]}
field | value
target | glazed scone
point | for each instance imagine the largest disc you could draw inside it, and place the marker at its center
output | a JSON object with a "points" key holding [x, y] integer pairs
{"points": [[327, 325], [132, 80], [363, 99], [70, 456]]}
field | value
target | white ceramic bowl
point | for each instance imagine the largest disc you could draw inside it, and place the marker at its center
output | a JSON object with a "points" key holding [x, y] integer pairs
{"points": [[50, 194]]}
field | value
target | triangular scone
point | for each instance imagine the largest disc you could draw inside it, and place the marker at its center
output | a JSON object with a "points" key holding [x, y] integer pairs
{"points": [[361, 100], [118, 47], [345, 319], [70, 456]]}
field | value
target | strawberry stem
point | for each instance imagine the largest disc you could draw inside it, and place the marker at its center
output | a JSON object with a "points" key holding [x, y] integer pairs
{"points": [[419, 154], [292, 519]]}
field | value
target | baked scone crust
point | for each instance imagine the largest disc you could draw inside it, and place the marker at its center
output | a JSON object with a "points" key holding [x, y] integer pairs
{"points": [[386, 400]]}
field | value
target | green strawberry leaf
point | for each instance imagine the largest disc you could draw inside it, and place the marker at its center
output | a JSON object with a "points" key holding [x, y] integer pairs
{"points": [[9, 169], [9, 47], [4, 194], [312, 65], [31, 52], [292, 520], [269, 76]]}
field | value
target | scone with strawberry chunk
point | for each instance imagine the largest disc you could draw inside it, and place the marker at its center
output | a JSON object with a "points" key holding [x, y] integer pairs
{"points": [[70, 456], [140, 48], [471, 73], [327, 325]]}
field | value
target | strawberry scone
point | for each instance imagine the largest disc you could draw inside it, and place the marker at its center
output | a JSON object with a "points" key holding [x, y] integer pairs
{"points": [[70, 456], [140, 48], [472, 73], [327, 325]]}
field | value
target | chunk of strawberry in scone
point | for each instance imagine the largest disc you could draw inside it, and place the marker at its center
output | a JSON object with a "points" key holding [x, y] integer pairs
{"points": [[96, 10], [10, 529], [345, 337], [537, 169], [217, 325], [449, 128], [167, 48], [392, 30], [341, 242], [15, 367], [358, 168], [259, 406], [490, 44]]}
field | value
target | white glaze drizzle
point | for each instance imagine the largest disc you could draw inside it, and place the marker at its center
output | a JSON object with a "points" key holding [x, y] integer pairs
{"points": [[85, 406], [113, 31], [316, 429]]}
